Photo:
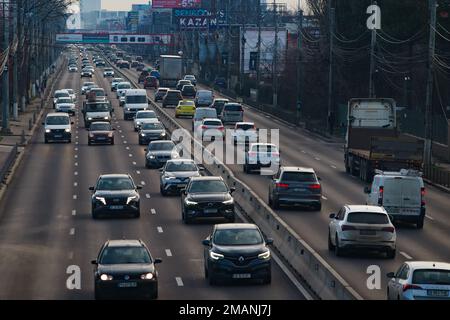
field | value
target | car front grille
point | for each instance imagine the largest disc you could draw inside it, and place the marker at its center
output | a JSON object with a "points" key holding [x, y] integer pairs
{"points": [[57, 130], [116, 201], [241, 260]]}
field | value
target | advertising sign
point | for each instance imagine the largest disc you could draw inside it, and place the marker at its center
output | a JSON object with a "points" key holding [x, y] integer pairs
{"points": [[199, 18], [69, 37], [172, 4]]}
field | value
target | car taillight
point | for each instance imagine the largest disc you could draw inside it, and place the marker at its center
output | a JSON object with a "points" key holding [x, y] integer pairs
{"points": [[411, 286], [282, 185], [346, 227], [252, 154], [315, 186], [422, 197], [204, 127], [388, 229], [221, 128], [380, 196], [275, 154]]}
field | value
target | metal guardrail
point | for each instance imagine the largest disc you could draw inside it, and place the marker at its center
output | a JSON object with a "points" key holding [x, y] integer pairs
{"points": [[437, 175], [8, 163]]}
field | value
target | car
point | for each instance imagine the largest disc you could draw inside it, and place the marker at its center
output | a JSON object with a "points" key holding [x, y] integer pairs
{"points": [[156, 74], [218, 104], [295, 186], [204, 98], [115, 82], [122, 86], [159, 152], [73, 68], [134, 63], [85, 73], [108, 72], [200, 114], [172, 98], [86, 86], [237, 252], [211, 129], [362, 227], [232, 113], [244, 133], [160, 93], [207, 197], [72, 94], [124, 64], [144, 116], [135, 100], [191, 78], [419, 280], [115, 194], [144, 74], [63, 93], [220, 82], [139, 59], [185, 108], [176, 174], [188, 91], [151, 131], [96, 94], [90, 68], [65, 104], [57, 127], [182, 83], [262, 155], [140, 66], [151, 82], [101, 132], [100, 63], [125, 269], [401, 193]]}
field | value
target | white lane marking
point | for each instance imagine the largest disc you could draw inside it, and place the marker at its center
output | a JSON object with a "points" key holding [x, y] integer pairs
{"points": [[147, 196], [76, 142], [118, 126], [75, 173], [179, 281], [76, 137], [125, 142], [160, 229], [72, 231], [75, 184], [318, 159], [138, 172], [303, 151], [153, 211], [429, 217], [168, 253], [324, 198], [76, 156], [130, 155], [407, 256], [76, 164], [333, 166], [74, 197], [143, 183], [74, 212], [134, 163], [76, 149], [128, 148]]}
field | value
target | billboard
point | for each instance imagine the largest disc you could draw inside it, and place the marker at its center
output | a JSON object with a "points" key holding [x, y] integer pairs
{"points": [[69, 37], [199, 18], [115, 38], [173, 4]]}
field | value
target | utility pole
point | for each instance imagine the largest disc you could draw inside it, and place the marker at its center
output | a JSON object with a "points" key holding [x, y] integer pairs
{"points": [[258, 62], [241, 82], [330, 69], [299, 61], [373, 43], [275, 57], [228, 39], [15, 99], [5, 80], [429, 95]]}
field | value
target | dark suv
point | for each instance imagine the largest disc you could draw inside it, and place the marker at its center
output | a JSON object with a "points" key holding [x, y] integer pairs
{"points": [[172, 98], [188, 91], [236, 252], [207, 197]]}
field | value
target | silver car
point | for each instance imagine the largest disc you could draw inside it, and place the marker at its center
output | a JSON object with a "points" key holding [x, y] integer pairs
{"points": [[363, 227], [420, 280], [159, 152], [176, 174]]}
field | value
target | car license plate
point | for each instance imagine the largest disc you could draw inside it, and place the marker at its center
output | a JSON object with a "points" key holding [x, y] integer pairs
{"points": [[367, 232], [410, 211], [437, 293], [210, 210], [116, 207], [58, 136], [299, 189], [127, 284], [242, 276], [101, 138]]}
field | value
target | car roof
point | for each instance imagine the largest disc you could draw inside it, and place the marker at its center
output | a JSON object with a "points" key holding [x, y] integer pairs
{"points": [[115, 175], [124, 243], [204, 91], [58, 114], [207, 178], [365, 208], [163, 88], [224, 226], [212, 119], [162, 141], [297, 169], [61, 91], [181, 160], [221, 99], [428, 265], [100, 122], [244, 123], [146, 111]]}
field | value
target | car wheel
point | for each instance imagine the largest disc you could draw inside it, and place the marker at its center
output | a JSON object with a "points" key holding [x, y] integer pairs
{"points": [[162, 191], [245, 168], [137, 215], [337, 251], [206, 271], [97, 295], [390, 254], [94, 215], [330, 244], [89, 143], [155, 294], [419, 223], [275, 204], [112, 142], [69, 141]]}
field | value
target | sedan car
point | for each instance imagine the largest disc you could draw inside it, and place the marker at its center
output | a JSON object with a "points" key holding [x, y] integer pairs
{"points": [[150, 82], [191, 78], [101, 132], [125, 269], [237, 251], [65, 104], [144, 116], [188, 91], [366, 228], [85, 73], [182, 83], [60, 94], [159, 152], [244, 133], [176, 174], [218, 104], [115, 194], [73, 68], [185, 108], [207, 197], [108, 72], [211, 129], [151, 131], [420, 280]]}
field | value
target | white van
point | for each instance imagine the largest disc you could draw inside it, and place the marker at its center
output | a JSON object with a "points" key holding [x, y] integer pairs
{"points": [[135, 100], [400, 193], [58, 127]]}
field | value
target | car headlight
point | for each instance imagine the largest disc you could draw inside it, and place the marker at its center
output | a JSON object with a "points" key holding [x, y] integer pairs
{"points": [[169, 178], [47, 130], [175, 155], [215, 256], [138, 123], [101, 199], [106, 118], [147, 276], [151, 157], [89, 118], [264, 255], [163, 134], [67, 130], [91, 135], [129, 199], [106, 277], [231, 201], [190, 203], [128, 109], [110, 135], [142, 134]]}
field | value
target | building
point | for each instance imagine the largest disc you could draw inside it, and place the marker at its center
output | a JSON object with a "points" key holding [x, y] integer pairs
{"points": [[89, 10]]}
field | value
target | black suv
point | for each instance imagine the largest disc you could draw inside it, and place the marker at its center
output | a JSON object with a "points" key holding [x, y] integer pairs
{"points": [[237, 251], [125, 269], [207, 197], [172, 98], [115, 194], [188, 91]]}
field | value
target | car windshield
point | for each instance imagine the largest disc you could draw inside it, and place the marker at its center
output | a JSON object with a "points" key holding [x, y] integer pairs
{"points": [[245, 127], [146, 115], [208, 186], [162, 91], [187, 104], [136, 99], [431, 276], [188, 88], [212, 123], [125, 255], [100, 127], [88, 84], [124, 86], [57, 120], [117, 80], [61, 94], [97, 107], [99, 93], [64, 100], [209, 113], [152, 126], [368, 218], [180, 166], [264, 148], [118, 183], [299, 177], [233, 107], [161, 146], [108, 69], [237, 237]]}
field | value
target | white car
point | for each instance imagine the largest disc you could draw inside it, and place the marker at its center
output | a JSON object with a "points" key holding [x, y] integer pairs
{"points": [[144, 116], [244, 133], [108, 72], [362, 227], [191, 78], [122, 98], [60, 94], [420, 280], [86, 86], [122, 87], [58, 127], [210, 129], [72, 94], [73, 68], [65, 104], [115, 82], [262, 155]]}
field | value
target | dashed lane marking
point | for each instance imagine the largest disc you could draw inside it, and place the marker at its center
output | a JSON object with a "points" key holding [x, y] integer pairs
{"points": [[147, 196], [429, 217], [333, 166], [160, 229], [168, 253], [74, 212], [75, 184], [74, 197], [407, 256], [179, 281], [324, 198], [143, 183], [72, 231], [153, 211]]}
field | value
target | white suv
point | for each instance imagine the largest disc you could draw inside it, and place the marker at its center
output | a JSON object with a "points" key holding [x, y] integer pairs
{"points": [[262, 155]]}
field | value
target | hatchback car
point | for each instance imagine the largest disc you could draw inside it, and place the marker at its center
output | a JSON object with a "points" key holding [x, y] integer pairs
{"points": [[295, 186], [65, 104], [151, 131], [172, 98], [150, 82], [159, 152], [115, 194], [420, 280], [125, 269], [204, 98], [218, 104], [85, 73], [101, 132], [188, 91], [210, 130], [144, 116], [185, 108], [182, 83], [237, 251], [244, 133], [367, 228], [176, 174], [232, 112]]}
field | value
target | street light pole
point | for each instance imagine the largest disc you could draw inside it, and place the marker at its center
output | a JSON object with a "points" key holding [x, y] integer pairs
{"points": [[5, 80]]}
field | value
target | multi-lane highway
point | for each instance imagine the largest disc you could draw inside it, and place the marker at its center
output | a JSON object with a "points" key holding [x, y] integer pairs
{"points": [[300, 148], [46, 224]]}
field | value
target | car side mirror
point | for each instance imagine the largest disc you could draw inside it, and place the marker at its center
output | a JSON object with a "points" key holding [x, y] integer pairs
{"points": [[390, 275], [232, 189], [138, 187], [91, 188], [206, 242], [157, 260], [333, 216], [269, 241], [43, 123], [94, 262], [367, 190]]}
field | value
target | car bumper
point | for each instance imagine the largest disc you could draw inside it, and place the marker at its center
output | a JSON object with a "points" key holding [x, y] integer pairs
{"points": [[58, 136], [363, 245], [297, 199], [223, 212], [100, 140], [184, 113], [107, 210], [225, 270], [112, 290]]}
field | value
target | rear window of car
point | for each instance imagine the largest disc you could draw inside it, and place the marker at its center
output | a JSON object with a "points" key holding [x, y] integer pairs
{"points": [[212, 123], [264, 148], [210, 113], [299, 177], [431, 276], [233, 107], [205, 94], [367, 218], [173, 94], [245, 126]]}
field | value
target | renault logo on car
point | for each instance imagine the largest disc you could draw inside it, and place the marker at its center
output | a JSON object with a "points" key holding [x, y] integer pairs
{"points": [[241, 259]]}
